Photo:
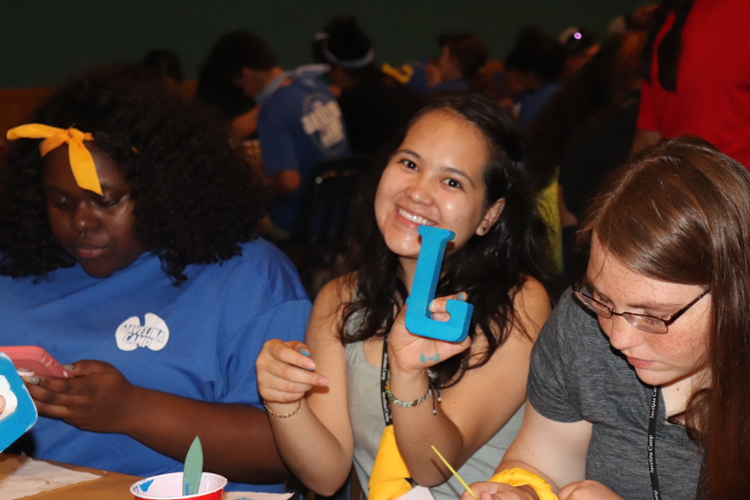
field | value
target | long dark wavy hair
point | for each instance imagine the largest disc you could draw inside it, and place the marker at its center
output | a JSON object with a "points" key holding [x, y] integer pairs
{"points": [[491, 269], [679, 213], [668, 50], [195, 196]]}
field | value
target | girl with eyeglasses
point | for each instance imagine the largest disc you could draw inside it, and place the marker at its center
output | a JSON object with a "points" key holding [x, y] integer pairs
{"points": [[638, 382]]}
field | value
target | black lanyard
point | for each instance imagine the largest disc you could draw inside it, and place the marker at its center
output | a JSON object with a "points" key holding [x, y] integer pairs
{"points": [[383, 381], [383, 397], [652, 421]]}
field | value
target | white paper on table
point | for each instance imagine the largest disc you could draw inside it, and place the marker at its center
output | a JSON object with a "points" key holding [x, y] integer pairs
{"points": [[249, 495], [33, 477], [417, 493]]}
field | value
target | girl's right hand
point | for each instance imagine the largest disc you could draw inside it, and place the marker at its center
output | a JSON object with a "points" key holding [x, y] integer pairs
{"points": [[286, 372]]}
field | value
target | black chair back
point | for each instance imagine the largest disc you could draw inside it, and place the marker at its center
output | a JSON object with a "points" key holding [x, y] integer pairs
{"points": [[319, 237], [325, 207]]}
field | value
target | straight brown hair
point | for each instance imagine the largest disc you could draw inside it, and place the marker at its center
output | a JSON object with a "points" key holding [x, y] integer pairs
{"points": [[680, 212]]}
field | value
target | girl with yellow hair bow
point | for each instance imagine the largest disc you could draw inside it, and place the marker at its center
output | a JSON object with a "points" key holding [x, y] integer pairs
{"points": [[127, 250]]}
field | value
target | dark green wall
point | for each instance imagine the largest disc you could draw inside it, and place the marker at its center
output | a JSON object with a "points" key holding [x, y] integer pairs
{"points": [[44, 42]]}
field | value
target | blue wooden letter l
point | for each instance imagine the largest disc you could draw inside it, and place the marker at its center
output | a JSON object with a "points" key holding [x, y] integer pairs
{"points": [[418, 317]]}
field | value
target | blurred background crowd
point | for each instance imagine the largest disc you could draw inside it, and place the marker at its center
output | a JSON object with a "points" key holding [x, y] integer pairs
{"points": [[571, 75]]}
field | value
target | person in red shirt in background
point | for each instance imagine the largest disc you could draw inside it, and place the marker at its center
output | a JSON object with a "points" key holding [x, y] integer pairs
{"points": [[697, 66]]}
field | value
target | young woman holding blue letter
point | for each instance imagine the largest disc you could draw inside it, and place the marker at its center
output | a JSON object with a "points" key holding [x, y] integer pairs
{"points": [[457, 167]]}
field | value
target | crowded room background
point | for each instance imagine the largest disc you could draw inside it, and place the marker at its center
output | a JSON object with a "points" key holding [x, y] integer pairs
{"points": [[52, 42], [517, 53], [217, 219]]}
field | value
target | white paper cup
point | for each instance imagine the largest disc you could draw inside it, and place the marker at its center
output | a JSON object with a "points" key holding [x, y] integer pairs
{"points": [[169, 486]]}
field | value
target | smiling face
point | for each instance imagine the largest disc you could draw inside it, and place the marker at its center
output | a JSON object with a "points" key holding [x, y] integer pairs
{"points": [[658, 359], [96, 230], [435, 178]]}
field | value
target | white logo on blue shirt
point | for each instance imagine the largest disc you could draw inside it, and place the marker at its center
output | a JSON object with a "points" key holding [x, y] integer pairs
{"points": [[154, 334], [325, 118]]}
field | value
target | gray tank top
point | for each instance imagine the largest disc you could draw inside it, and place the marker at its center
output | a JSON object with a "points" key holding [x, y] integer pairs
{"points": [[366, 413]]}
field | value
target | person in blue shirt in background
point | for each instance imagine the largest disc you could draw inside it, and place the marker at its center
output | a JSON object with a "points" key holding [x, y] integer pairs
{"points": [[128, 251], [460, 66], [299, 123], [463, 57], [533, 68], [374, 104]]}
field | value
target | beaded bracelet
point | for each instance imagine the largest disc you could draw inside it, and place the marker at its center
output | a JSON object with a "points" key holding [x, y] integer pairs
{"points": [[285, 415], [522, 477], [431, 391], [405, 404]]}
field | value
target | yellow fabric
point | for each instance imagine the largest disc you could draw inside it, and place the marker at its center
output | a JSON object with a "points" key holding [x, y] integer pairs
{"points": [[547, 204], [389, 474], [522, 477], [402, 74], [81, 161]]}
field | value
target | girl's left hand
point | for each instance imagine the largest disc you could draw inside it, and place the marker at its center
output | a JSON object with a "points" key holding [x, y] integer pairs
{"points": [[411, 353], [587, 490], [97, 398]]}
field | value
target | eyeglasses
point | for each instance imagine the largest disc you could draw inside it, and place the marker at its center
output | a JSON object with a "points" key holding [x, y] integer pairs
{"points": [[644, 322]]}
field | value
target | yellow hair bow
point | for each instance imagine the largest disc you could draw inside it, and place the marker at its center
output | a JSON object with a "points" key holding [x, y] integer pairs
{"points": [[81, 161]]}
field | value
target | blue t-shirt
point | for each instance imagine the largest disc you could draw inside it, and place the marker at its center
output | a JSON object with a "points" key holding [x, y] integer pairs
{"points": [[198, 340], [418, 81], [299, 125], [456, 84], [533, 103]]}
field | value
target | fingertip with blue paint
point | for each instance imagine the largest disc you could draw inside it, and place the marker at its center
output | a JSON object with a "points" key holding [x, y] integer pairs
{"points": [[306, 353]]}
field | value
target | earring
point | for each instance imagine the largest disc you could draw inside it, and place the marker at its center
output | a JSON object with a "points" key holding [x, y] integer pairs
{"points": [[484, 230]]}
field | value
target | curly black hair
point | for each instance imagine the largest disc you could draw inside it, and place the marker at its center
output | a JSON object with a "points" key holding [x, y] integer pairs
{"points": [[195, 195]]}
